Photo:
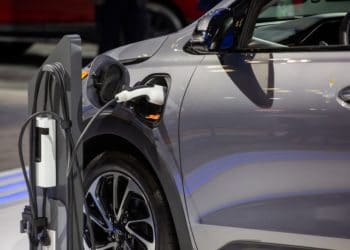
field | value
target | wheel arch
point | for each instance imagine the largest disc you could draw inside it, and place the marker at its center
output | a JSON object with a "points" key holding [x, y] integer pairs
{"points": [[110, 142], [129, 139]]}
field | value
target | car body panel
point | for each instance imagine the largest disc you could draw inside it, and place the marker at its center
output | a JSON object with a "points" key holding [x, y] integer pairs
{"points": [[139, 50], [170, 59], [276, 145]]}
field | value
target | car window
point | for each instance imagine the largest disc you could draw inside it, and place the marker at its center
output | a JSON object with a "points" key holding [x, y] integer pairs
{"points": [[301, 23], [292, 9]]}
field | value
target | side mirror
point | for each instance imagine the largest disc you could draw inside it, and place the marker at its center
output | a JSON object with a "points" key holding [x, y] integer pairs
{"points": [[214, 32]]}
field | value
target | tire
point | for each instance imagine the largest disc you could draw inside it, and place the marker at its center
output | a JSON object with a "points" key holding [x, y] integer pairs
{"points": [[110, 175], [162, 20]]}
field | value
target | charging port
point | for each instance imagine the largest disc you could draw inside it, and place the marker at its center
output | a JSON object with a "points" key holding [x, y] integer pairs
{"points": [[149, 113]]}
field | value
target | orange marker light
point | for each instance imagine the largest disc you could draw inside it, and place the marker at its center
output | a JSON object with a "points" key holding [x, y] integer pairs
{"points": [[84, 74], [154, 117]]}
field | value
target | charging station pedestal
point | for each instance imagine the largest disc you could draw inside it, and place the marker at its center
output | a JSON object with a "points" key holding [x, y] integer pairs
{"points": [[65, 225]]}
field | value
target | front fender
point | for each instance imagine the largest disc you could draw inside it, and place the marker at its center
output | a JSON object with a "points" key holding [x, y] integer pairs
{"points": [[150, 144]]}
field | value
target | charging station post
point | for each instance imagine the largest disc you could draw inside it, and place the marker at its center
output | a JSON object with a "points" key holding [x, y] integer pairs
{"points": [[64, 221], [54, 219]]}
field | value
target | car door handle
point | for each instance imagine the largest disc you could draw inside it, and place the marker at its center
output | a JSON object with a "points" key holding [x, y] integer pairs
{"points": [[344, 95]]}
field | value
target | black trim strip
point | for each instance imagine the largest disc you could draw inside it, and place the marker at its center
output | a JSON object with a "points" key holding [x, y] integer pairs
{"points": [[248, 245]]}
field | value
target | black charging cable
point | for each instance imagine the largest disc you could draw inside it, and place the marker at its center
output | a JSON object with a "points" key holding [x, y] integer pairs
{"points": [[82, 135], [58, 73], [72, 201]]}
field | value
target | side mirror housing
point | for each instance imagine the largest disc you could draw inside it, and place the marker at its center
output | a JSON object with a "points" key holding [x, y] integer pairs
{"points": [[214, 32]]}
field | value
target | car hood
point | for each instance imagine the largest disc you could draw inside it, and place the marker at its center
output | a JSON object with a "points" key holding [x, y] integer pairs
{"points": [[137, 52]]}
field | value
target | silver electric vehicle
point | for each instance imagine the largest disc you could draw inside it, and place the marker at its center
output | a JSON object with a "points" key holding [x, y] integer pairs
{"points": [[251, 150]]}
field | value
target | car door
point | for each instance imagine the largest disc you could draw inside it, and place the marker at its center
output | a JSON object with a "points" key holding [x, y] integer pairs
{"points": [[265, 148]]}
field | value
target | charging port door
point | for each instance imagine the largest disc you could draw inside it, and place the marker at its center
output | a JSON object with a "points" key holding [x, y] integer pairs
{"points": [[65, 222]]}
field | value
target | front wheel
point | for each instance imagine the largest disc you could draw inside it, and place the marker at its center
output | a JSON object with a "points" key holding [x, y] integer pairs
{"points": [[127, 208]]}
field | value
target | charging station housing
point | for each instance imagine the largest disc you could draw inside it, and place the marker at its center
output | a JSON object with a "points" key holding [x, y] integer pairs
{"points": [[66, 235]]}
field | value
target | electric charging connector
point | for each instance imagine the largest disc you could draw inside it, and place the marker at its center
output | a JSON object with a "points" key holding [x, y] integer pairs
{"points": [[154, 94]]}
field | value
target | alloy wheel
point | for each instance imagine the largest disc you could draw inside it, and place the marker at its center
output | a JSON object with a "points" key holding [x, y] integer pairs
{"points": [[120, 213]]}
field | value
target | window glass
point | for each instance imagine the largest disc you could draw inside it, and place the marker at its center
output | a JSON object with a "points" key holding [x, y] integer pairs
{"points": [[296, 23], [291, 9]]}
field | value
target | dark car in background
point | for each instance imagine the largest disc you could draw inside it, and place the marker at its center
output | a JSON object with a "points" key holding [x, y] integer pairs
{"points": [[23, 22]]}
